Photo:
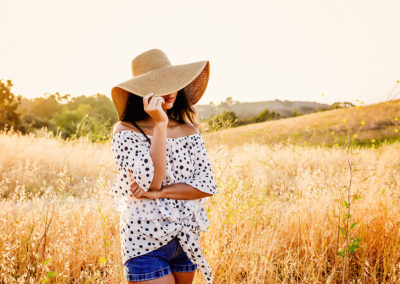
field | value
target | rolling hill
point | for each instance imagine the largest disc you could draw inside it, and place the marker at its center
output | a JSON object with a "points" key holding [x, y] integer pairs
{"points": [[373, 124], [245, 110]]}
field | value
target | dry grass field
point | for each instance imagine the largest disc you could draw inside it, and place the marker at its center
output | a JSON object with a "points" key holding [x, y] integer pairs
{"points": [[275, 220]]}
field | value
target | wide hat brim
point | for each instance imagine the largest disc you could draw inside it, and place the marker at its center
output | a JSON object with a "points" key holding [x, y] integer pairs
{"points": [[192, 77]]}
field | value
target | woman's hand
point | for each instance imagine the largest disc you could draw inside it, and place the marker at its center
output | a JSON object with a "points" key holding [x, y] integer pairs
{"points": [[153, 106], [139, 193], [152, 194]]}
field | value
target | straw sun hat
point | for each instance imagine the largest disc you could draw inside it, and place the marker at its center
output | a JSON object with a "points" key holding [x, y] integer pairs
{"points": [[153, 73]]}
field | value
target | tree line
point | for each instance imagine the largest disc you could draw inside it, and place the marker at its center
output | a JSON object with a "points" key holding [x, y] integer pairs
{"points": [[66, 116], [93, 116]]}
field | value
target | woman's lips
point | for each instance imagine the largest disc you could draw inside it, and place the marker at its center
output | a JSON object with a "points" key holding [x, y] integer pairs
{"points": [[169, 100]]}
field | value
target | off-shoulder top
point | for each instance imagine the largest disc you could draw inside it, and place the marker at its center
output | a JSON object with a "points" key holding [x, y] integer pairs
{"points": [[147, 224]]}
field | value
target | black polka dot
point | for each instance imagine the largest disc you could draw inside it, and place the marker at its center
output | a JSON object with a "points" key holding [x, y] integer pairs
{"points": [[187, 162]]}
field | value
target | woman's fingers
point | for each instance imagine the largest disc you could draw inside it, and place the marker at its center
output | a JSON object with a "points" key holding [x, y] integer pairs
{"points": [[133, 186], [159, 103], [151, 194], [150, 101], [136, 190], [139, 193], [132, 179], [154, 102], [152, 106], [146, 99]]}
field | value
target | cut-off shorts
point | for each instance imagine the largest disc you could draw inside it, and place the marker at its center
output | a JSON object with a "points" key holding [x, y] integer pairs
{"points": [[158, 263]]}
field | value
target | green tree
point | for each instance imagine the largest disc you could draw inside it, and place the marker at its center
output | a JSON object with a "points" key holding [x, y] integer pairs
{"points": [[225, 119], [336, 105], [48, 106], [33, 122], [266, 115], [101, 106], [67, 120], [94, 128], [296, 112], [8, 106]]}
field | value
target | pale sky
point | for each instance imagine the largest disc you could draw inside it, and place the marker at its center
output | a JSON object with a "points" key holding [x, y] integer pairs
{"points": [[258, 50]]}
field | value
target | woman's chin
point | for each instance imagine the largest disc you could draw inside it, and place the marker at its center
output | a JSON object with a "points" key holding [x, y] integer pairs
{"points": [[168, 106]]}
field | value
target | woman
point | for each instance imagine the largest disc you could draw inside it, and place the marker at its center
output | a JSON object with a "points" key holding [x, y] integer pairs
{"points": [[165, 176]]}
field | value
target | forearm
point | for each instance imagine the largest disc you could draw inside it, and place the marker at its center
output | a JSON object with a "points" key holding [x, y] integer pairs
{"points": [[182, 191], [158, 154]]}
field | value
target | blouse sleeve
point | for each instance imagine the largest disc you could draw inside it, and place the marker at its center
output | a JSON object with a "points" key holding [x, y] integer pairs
{"points": [[130, 152], [203, 176]]}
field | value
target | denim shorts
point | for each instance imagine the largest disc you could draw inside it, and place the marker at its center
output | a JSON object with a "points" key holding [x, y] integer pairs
{"points": [[158, 263]]}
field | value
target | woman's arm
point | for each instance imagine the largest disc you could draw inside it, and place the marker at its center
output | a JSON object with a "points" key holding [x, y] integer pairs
{"points": [[182, 191], [201, 184], [153, 107], [179, 191], [158, 152], [146, 166]]}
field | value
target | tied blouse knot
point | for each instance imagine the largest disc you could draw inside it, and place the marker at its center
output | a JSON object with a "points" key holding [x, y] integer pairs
{"points": [[147, 224]]}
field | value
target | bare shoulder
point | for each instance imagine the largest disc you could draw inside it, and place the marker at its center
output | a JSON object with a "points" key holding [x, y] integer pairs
{"points": [[189, 129], [120, 127]]}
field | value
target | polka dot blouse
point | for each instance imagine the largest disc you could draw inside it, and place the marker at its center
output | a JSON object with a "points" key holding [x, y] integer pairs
{"points": [[147, 224]]}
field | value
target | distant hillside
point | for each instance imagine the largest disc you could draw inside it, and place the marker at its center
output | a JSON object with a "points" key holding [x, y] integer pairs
{"points": [[377, 121], [243, 110], [246, 109]]}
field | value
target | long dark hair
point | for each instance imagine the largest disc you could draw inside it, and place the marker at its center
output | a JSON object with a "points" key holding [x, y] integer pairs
{"points": [[182, 111]]}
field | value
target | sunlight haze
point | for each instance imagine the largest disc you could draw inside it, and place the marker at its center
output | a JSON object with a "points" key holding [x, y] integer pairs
{"points": [[258, 50]]}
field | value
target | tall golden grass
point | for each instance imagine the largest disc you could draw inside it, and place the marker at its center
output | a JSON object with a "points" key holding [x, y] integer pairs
{"points": [[274, 221]]}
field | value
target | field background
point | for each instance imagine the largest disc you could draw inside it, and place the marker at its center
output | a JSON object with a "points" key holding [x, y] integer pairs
{"points": [[274, 221]]}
